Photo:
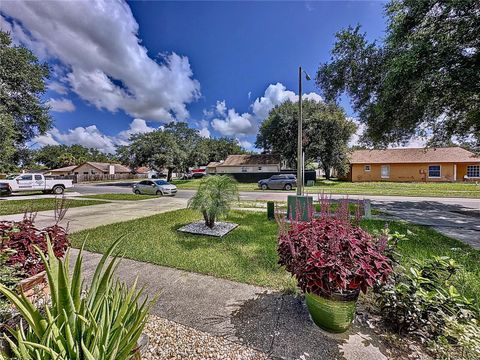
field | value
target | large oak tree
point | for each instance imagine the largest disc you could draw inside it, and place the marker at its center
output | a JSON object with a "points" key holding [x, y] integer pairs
{"points": [[422, 79], [326, 133], [23, 114]]}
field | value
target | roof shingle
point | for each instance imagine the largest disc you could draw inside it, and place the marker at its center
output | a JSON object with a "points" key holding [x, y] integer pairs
{"points": [[413, 155], [257, 159]]}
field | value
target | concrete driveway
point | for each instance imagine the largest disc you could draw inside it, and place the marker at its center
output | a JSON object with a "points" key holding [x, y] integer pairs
{"points": [[87, 217]]}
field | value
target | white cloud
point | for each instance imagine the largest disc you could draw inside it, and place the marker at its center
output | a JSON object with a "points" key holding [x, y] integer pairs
{"points": [[245, 144], [355, 139], [137, 126], [276, 94], [107, 65], [46, 139], [221, 108], [414, 142], [61, 105], [234, 124], [92, 137], [204, 132], [88, 136], [57, 87]]}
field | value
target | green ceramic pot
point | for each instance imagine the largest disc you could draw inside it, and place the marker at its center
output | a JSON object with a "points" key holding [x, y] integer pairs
{"points": [[335, 313]]}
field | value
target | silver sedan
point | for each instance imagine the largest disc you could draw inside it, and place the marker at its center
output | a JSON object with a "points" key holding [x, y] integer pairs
{"points": [[154, 187]]}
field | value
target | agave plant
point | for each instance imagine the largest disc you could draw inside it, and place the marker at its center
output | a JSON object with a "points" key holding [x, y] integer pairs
{"points": [[103, 321], [213, 198]]}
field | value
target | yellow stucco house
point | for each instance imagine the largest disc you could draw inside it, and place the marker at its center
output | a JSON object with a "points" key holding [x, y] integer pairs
{"points": [[414, 165]]}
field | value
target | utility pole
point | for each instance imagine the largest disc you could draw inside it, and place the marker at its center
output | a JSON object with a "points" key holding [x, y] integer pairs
{"points": [[299, 136]]}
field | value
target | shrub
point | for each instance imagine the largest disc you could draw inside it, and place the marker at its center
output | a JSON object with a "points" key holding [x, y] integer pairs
{"points": [[21, 238], [9, 276], [422, 298], [105, 322], [213, 198], [330, 255]]}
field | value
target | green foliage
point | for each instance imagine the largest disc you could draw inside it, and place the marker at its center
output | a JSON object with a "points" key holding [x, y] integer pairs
{"points": [[103, 323], [219, 149], [176, 147], [213, 197], [461, 337], [9, 276], [423, 300], [157, 149], [326, 133], [424, 74], [22, 112], [56, 156]]}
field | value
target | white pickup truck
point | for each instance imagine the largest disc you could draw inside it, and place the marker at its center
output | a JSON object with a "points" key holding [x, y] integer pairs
{"points": [[34, 182]]}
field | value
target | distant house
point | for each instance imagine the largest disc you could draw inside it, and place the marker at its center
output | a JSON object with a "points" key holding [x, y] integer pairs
{"points": [[212, 167], [63, 171], [147, 172], [247, 164], [414, 165], [92, 168]]}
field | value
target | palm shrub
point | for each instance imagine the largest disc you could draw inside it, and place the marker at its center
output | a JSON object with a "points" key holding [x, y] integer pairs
{"points": [[213, 198], [103, 322]]}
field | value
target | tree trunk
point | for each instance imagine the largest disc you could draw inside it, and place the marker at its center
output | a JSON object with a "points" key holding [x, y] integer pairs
{"points": [[209, 220], [169, 175], [327, 172], [205, 217]]}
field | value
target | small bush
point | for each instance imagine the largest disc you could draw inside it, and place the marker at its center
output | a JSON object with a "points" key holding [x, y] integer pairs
{"points": [[330, 255], [9, 276], [213, 197], [20, 238], [423, 301]]}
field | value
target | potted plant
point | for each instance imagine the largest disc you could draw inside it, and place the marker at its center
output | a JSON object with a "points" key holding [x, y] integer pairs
{"points": [[332, 260]]}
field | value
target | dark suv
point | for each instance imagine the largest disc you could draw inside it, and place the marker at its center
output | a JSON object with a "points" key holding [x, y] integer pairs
{"points": [[283, 181]]}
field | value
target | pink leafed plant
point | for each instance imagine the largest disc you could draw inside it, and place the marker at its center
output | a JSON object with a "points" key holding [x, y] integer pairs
{"points": [[330, 255], [19, 239]]}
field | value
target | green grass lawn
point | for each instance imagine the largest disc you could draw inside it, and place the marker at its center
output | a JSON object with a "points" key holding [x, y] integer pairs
{"points": [[127, 197], [8, 207], [248, 254], [467, 190]]}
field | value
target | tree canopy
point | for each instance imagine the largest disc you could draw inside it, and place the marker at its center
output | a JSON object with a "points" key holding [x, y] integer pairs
{"points": [[23, 114], [326, 133], [422, 79], [56, 156], [176, 147]]}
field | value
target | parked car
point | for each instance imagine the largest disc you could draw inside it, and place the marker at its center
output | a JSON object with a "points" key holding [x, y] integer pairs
{"points": [[283, 181], [36, 182], [154, 187]]}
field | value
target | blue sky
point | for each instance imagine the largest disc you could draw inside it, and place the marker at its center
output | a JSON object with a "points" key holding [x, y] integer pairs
{"points": [[218, 65]]}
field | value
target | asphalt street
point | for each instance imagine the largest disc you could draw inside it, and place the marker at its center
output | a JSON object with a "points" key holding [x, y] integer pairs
{"points": [[455, 217]]}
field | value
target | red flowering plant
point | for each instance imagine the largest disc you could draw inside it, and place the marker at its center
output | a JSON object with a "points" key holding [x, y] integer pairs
{"points": [[19, 239], [331, 255]]}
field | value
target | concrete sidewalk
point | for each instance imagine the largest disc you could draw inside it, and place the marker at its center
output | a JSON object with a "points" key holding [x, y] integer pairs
{"points": [[269, 321], [88, 217]]}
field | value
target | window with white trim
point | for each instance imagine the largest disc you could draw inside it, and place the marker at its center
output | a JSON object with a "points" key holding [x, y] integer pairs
{"points": [[473, 171], [367, 168], [434, 171]]}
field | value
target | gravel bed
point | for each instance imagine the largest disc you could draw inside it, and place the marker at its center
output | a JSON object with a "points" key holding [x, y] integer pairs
{"points": [[219, 229], [170, 340]]}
